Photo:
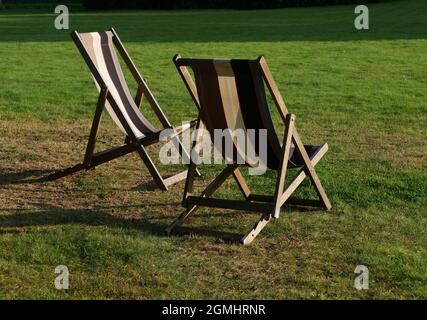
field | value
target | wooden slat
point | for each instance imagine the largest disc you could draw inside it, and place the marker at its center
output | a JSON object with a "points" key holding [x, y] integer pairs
{"points": [[215, 184], [241, 182], [301, 175], [251, 235], [311, 172], [192, 170], [97, 159], [228, 204], [139, 95], [126, 57], [111, 154], [219, 180], [176, 178], [188, 80], [304, 202], [188, 188], [286, 146], [151, 167], [273, 88], [140, 80], [95, 125]]}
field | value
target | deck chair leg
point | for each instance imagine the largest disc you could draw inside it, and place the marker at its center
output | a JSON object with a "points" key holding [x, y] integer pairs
{"points": [[184, 154], [241, 183], [188, 189], [311, 172], [95, 125], [90, 144], [186, 158], [151, 167], [299, 178], [183, 174], [192, 169], [209, 190], [251, 235], [287, 140], [180, 220], [196, 146]]}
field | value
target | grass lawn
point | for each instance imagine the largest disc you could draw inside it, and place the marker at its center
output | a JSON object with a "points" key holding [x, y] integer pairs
{"points": [[363, 92]]}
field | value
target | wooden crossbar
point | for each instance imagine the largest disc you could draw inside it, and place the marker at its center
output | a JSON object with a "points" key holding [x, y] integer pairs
{"points": [[228, 204], [302, 174]]}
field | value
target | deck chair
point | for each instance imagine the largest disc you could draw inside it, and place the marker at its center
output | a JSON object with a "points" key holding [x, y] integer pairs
{"points": [[230, 94], [97, 49]]}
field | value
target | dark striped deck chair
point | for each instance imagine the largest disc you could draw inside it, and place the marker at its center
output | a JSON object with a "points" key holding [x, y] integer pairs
{"points": [[230, 94], [98, 50]]}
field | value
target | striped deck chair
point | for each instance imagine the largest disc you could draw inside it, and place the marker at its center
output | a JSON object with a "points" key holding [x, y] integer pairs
{"points": [[97, 49], [230, 94]]}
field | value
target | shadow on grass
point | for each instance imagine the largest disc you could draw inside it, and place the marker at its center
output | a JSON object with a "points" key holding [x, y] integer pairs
{"points": [[48, 215], [51, 216], [41, 175], [23, 177]]}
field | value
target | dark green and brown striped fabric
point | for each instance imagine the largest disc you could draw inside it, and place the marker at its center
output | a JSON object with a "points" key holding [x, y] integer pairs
{"points": [[232, 96]]}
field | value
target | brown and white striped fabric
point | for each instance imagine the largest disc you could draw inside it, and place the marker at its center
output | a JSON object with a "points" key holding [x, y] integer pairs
{"points": [[99, 46], [232, 96]]}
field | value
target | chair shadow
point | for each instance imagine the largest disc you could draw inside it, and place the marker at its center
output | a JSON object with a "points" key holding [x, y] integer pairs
{"points": [[58, 216], [9, 224], [40, 176], [149, 185], [51, 216], [23, 177], [45, 215]]}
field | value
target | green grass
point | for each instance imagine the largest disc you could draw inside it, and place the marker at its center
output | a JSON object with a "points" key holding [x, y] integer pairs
{"points": [[363, 92]]}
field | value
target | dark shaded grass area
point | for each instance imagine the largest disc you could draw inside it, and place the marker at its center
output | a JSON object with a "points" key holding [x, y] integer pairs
{"points": [[395, 20]]}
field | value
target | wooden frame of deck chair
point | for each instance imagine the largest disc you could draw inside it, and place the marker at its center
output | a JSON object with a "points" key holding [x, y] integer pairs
{"points": [[230, 94], [97, 49]]}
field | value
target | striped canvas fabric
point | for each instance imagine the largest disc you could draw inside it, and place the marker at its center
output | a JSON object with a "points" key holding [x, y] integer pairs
{"points": [[232, 96], [99, 46]]}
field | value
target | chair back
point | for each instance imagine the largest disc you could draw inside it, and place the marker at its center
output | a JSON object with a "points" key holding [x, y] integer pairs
{"points": [[232, 96], [99, 48]]}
